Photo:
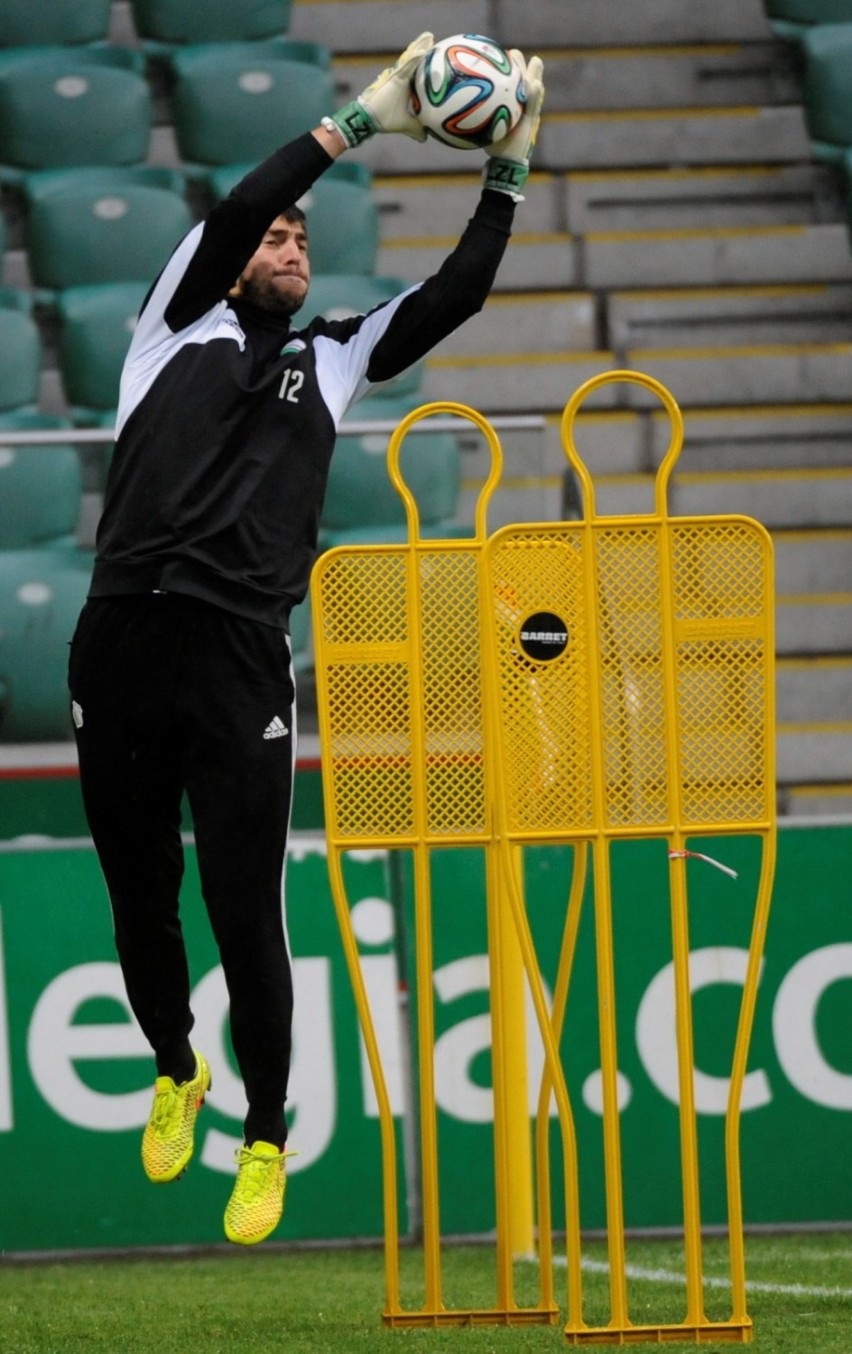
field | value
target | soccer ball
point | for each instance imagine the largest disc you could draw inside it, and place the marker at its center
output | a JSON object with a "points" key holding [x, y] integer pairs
{"points": [[468, 92]]}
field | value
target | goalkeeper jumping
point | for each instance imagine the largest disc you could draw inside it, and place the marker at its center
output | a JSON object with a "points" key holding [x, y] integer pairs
{"points": [[180, 673]]}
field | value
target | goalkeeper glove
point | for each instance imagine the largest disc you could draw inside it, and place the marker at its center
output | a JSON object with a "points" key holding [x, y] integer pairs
{"points": [[384, 105], [509, 160]]}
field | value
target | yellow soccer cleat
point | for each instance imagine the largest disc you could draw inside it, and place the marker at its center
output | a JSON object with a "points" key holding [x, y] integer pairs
{"points": [[257, 1201], [169, 1137]]}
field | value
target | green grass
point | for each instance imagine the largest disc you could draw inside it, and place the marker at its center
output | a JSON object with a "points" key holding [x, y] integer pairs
{"points": [[313, 1301]]}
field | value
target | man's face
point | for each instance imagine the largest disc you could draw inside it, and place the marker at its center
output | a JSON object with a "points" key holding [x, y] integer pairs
{"points": [[278, 274]]}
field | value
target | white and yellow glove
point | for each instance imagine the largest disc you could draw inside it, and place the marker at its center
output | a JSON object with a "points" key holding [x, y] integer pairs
{"points": [[509, 160], [385, 105]]}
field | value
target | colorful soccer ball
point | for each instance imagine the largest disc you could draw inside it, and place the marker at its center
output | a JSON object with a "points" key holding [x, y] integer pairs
{"points": [[468, 92]]}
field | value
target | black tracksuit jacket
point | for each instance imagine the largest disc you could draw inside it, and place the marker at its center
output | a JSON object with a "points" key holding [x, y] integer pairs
{"points": [[219, 471]]}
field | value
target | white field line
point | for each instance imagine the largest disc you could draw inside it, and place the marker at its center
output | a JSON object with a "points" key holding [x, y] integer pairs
{"points": [[800, 1290]]}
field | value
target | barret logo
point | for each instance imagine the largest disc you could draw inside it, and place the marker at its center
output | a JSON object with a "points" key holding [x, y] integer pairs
{"points": [[546, 636], [543, 636]]}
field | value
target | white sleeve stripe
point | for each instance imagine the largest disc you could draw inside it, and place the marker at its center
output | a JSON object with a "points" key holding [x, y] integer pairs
{"points": [[154, 343], [342, 365]]}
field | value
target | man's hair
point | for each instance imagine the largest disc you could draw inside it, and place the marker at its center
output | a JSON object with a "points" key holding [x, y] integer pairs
{"points": [[295, 214]]}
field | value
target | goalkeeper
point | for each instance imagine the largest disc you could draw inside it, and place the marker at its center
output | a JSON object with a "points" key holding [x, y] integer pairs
{"points": [[180, 671]]}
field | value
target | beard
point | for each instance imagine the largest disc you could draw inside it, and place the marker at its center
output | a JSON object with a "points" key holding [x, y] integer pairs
{"points": [[266, 295]]}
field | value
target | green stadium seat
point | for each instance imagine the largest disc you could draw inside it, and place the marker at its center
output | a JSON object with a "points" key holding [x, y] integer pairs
{"points": [[106, 178], [83, 233], [362, 505], [20, 368], [300, 637], [108, 54], [95, 328], [40, 22], [16, 298], [343, 226], [41, 593], [381, 409], [278, 48], [225, 177], [30, 420], [827, 50], [230, 108], [56, 116], [41, 490], [338, 295], [790, 19], [175, 22]]}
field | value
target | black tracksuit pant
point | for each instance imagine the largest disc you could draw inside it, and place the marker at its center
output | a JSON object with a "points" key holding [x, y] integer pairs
{"points": [[170, 694]]}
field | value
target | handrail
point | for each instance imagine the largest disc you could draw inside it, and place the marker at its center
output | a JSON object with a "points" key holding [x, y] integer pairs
{"points": [[88, 436]]}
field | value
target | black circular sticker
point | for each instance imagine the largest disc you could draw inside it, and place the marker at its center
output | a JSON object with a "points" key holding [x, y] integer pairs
{"points": [[544, 635]]}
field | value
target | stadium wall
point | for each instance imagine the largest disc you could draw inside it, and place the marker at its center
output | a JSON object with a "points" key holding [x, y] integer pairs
{"points": [[75, 1073]]}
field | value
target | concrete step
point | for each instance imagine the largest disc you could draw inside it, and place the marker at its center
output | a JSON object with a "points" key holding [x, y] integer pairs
{"points": [[419, 206], [816, 800], [624, 139], [774, 373], [808, 562], [814, 752], [553, 321], [530, 262], [813, 561], [723, 317], [540, 498], [543, 381], [609, 441], [777, 498], [588, 23], [367, 26], [733, 438], [672, 199], [672, 136], [385, 27], [683, 76], [534, 383], [813, 624], [762, 437], [720, 256], [401, 155], [580, 78], [813, 690], [788, 499]]}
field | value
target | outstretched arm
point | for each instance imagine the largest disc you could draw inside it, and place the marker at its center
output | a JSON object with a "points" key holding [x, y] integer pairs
{"points": [[457, 291], [235, 226], [461, 286]]}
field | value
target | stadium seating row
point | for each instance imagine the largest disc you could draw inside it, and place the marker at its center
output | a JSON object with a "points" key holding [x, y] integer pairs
{"points": [[95, 235], [96, 323], [168, 22], [44, 574], [598, 261], [229, 103], [41, 485], [98, 220], [102, 224]]}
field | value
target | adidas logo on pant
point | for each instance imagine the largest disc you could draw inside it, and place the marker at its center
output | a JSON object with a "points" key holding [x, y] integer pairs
{"points": [[276, 729]]}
